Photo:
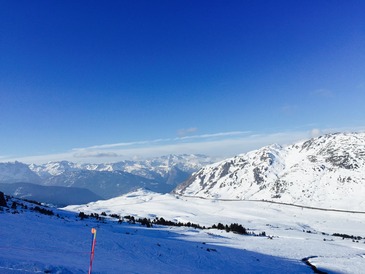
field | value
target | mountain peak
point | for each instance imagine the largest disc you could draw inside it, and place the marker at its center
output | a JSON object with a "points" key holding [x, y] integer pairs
{"points": [[323, 171]]}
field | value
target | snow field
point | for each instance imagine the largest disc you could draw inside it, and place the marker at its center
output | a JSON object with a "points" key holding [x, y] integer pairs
{"points": [[296, 233], [33, 243]]}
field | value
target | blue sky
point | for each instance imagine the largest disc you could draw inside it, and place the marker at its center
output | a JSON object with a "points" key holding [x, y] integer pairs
{"points": [[101, 81]]}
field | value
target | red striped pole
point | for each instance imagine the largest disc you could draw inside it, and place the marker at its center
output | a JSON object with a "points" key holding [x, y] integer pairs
{"points": [[93, 242]]}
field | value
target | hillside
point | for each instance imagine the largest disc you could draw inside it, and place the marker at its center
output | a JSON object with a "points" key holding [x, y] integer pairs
{"points": [[293, 233], [56, 195], [56, 241], [327, 171], [38, 239]]}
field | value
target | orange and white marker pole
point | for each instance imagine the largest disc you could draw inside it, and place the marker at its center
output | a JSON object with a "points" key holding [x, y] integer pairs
{"points": [[93, 242]]}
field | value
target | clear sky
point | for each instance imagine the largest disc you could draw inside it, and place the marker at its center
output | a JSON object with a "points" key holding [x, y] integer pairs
{"points": [[105, 80]]}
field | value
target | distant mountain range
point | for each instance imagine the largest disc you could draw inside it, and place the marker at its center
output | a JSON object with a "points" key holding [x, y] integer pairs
{"points": [[105, 181], [328, 171], [17, 172]]}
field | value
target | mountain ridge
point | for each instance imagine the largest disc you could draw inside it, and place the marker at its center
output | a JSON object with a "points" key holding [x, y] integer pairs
{"points": [[324, 171], [161, 174]]}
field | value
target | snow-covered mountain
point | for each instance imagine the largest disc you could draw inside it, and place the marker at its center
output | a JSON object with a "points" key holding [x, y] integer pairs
{"points": [[160, 174], [328, 171], [171, 169], [54, 168], [17, 172], [108, 180]]}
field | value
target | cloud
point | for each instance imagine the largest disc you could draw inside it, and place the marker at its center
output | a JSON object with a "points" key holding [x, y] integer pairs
{"points": [[124, 144], [127, 145], [315, 132], [185, 132], [218, 145], [95, 154], [214, 135]]}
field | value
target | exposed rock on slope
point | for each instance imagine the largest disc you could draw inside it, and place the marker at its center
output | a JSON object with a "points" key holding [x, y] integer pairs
{"points": [[328, 171]]}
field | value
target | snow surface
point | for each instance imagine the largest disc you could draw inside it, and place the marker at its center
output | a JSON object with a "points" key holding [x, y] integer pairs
{"points": [[297, 233], [36, 243]]}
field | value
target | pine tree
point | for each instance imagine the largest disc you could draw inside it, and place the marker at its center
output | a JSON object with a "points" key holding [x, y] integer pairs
{"points": [[2, 199]]}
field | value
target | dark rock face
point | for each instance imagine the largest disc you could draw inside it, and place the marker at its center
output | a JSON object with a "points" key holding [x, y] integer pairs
{"points": [[342, 161], [258, 176]]}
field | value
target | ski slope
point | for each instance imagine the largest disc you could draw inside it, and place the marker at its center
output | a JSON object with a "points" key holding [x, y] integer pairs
{"points": [[40, 244], [296, 232], [35, 243]]}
